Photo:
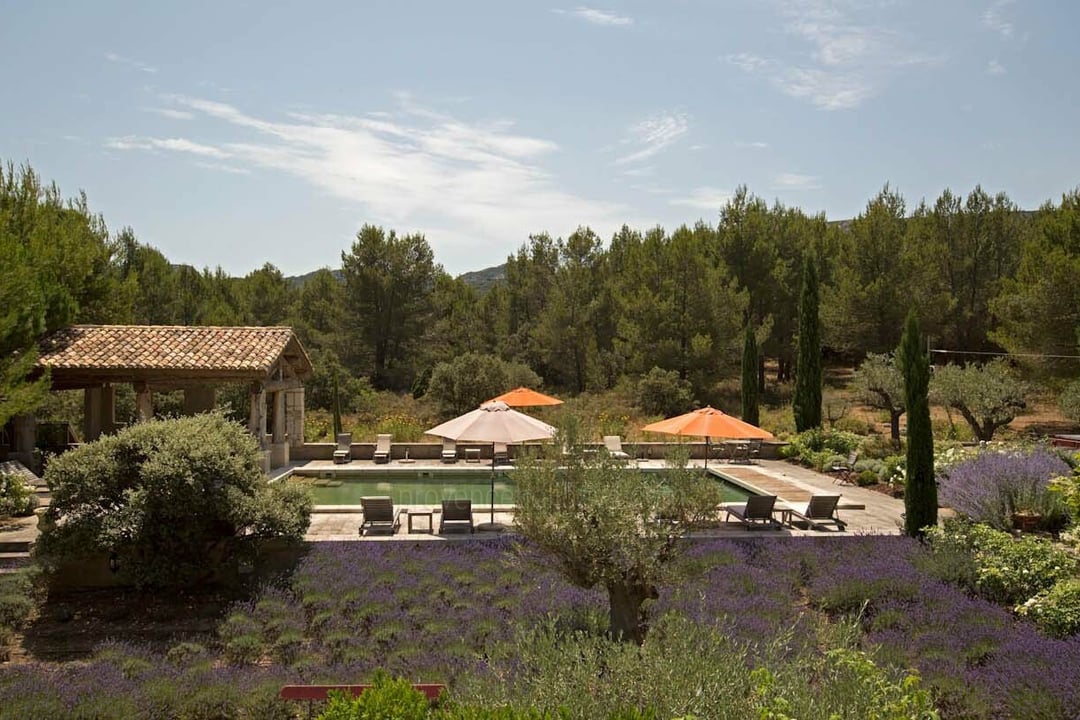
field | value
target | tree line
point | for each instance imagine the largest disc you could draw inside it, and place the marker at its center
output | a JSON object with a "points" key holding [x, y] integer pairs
{"points": [[582, 313]]}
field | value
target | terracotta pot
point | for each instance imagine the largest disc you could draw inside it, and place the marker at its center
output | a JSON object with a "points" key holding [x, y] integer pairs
{"points": [[1026, 521]]}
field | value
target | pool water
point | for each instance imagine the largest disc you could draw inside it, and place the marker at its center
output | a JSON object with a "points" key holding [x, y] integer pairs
{"points": [[423, 487]]}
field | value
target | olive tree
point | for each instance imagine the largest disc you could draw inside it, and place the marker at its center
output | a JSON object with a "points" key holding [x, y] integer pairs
{"points": [[987, 396], [879, 383], [168, 498], [466, 381], [612, 527]]}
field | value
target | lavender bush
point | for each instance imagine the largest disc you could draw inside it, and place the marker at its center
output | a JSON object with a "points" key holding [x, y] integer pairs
{"points": [[991, 486], [491, 620]]}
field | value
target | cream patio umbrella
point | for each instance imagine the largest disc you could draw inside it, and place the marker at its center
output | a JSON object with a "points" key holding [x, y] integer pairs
{"points": [[708, 422], [494, 422]]}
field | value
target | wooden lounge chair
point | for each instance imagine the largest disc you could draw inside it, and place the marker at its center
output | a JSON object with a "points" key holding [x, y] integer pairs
{"points": [[379, 514], [756, 513], [343, 453], [456, 515], [502, 454], [819, 512], [613, 443], [449, 451], [846, 470], [382, 449]]}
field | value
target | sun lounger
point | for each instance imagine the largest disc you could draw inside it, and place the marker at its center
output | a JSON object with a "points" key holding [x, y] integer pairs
{"points": [[449, 451], [456, 515], [382, 449], [343, 453], [502, 454], [613, 443], [819, 512], [379, 514], [756, 513]]}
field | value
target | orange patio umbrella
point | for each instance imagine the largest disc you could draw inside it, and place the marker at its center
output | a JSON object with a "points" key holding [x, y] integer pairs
{"points": [[524, 397], [708, 422]]}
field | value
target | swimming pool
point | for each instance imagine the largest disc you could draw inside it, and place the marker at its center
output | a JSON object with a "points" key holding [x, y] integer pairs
{"points": [[431, 487]]}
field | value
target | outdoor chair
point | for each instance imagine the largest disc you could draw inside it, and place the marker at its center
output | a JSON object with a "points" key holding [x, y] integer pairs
{"points": [[613, 443], [379, 514], [845, 471], [756, 513], [819, 512], [753, 450], [382, 449], [449, 451], [456, 515], [343, 453], [501, 454]]}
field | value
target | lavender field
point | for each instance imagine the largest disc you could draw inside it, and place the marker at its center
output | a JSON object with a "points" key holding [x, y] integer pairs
{"points": [[468, 614]]}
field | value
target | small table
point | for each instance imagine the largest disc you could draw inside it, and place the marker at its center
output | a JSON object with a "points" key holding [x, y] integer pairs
{"points": [[472, 455], [422, 513], [737, 450], [785, 511]]}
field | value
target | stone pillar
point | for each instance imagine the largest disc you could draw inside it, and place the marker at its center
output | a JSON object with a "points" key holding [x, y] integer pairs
{"points": [[144, 402], [92, 406], [278, 398], [294, 416], [199, 399], [257, 415], [108, 410]]}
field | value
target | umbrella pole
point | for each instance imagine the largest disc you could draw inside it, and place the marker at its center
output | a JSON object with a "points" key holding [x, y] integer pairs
{"points": [[706, 452], [492, 517]]}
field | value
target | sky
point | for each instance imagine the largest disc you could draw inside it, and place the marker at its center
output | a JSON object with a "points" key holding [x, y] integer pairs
{"points": [[234, 133]]}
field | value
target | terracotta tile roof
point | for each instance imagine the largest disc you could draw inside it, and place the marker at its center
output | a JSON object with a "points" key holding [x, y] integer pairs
{"points": [[167, 347]]}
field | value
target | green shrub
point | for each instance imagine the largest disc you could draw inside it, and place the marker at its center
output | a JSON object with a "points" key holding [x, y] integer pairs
{"points": [[663, 392], [818, 448], [16, 497], [1003, 569], [387, 699], [174, 499], [1056, 611]]}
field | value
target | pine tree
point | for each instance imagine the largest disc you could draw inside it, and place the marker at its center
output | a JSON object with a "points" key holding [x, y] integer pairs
{"points": [[807, 397], [920, 493], [750, 378]]}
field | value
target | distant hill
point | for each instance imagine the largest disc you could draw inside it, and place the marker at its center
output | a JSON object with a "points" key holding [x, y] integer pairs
{"points": [[481, 280]]}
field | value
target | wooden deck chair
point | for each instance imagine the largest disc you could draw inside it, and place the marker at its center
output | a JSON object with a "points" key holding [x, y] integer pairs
{"points": [[449, 451], [756, 513], [819, 512], [343, 453], [613, 443], [502, 454], [382, 449], [456, 515], [845, 471], [379, 514]]}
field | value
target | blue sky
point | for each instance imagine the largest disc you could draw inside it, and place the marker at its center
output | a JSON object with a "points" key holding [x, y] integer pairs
{"points": [[238, 133]]}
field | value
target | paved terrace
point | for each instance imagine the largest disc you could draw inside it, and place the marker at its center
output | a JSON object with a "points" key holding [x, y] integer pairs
{"points": [[864, 511]]}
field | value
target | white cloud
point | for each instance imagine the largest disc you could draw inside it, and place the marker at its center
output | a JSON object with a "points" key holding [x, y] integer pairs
{"points": [[795, 181], [995, 68], [706, 198], [480, 185], [756, 144], [847, 58], [653, 134], [171, 113], [180, 145], [993, 19], [130, 62], [598, 17]]}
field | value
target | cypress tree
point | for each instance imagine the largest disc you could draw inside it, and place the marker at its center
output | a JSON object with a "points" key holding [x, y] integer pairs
{"points": [[920, 493], [807, 396], [337, 408], [750, 378]]}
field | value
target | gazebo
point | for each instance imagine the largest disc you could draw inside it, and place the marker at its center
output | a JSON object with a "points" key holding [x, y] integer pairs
{"points": [[195, 359]]}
